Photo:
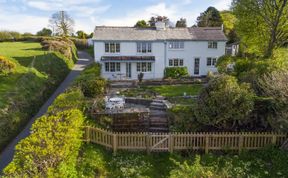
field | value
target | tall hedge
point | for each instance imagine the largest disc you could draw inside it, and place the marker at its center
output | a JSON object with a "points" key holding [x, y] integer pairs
{"points": [[52, 148]]}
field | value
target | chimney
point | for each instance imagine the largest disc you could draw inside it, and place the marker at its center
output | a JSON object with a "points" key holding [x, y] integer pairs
{"points": [[160, 25]]}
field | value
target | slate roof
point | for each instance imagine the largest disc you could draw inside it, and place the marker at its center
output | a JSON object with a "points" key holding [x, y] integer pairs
{"points": [[108, 33]]}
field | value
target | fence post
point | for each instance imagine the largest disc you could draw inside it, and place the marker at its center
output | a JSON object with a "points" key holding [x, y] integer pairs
{"points": [[170, 143], [206, 143], [273, 141], [148, 143], [240, 143], [88, 134], [114, 145]]}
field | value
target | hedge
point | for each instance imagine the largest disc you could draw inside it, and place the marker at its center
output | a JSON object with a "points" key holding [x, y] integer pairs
{"points": [[52, 148], [175, 72]]}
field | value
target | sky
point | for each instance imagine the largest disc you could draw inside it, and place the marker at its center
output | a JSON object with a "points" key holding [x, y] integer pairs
{"points": [[32, 15]]}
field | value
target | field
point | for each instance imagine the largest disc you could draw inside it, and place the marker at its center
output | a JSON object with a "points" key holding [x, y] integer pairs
{"points": [[22, 92]]}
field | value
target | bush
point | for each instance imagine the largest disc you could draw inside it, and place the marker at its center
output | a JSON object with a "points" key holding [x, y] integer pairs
{"points": [[195, 169], [6, 65], [62, 45], [80, 43], [90, 82], [52, 148], [10, 36], [274, 87], [175, 72], [224, 103]]}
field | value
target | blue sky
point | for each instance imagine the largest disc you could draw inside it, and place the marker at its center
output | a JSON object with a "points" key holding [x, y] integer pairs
{"points": [[33, 15]]}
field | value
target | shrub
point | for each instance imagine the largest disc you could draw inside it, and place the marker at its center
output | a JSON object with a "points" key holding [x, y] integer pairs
{"points": [[6, 65], [62, 45], [175, 72], [224, 103], [195, 169], [223, 63], [10, 36], [52, 148], [90, 82], [80, 43], [274, 86]]}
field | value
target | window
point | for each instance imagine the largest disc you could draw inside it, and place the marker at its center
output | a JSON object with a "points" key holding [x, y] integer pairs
{"points": [[211, 61], [144, 47], [112, 67], [112, 47], [212, 44], [176, 62], [176, 45], [144, 67]]}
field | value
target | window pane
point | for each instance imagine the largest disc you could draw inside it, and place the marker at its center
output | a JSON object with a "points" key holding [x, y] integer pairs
{"points": [[139, 47], [170, 45], [149, 47], [208, 61], [107, 66], [144, 69], [214, 61], [214, 44], [118, 69], [170, 62], [117, 47], [112, 66], [112, 48], [149, 68], [143, 47], [138, 67], [209, 44], [182, 45], [175, 62], [181, 62], [106, 47]]}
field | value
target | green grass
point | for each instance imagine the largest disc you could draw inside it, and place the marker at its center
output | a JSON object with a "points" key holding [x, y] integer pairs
{"points": [[95, 161], [176, 90], [22, 92]]}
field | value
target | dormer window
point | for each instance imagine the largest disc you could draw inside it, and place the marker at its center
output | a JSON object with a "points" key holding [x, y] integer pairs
{"points": [[112, 47], [144, 47], [176, 45], [212, 44]]}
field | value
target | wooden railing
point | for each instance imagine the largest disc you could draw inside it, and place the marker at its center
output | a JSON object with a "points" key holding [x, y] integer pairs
{"points": [[183, 141]]}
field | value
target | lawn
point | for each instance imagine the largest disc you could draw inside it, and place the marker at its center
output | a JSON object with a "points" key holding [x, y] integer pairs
{"points": [[176, 90], [95, 161], [22, 92]]}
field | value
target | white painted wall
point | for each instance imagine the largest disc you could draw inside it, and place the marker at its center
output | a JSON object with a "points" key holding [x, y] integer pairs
{"points": [[192, 49]]}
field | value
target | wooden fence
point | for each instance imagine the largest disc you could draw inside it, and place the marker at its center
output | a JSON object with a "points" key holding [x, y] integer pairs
{"points": [[183, 141]]}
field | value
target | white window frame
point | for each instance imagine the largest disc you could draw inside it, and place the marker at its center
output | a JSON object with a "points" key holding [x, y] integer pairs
{"points": [[108, 66], [144, 67], [176, 62], [113, 47], [144, 47], [176, 45], [212, 44], [211, 61]]}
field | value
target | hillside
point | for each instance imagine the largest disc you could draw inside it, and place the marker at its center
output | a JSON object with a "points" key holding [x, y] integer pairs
{"points": [[22, 91]]}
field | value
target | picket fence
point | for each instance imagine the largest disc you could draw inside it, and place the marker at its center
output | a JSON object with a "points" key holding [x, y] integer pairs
{"points": [[174, 141]]}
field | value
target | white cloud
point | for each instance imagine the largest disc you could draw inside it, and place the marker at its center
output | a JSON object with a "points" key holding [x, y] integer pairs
{"points": [[222, 4]]}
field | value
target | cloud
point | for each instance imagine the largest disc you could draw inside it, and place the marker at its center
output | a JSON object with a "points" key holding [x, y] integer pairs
{"points": [[222, 5]]}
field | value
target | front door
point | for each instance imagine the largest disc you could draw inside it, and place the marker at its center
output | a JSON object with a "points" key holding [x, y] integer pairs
{"points": [[128, 70], [196, 66]]}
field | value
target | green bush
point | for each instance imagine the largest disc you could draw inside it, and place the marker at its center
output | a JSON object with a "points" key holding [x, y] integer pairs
{"points": [[52, 148], [175, 72], [6, 65], [224, 103], [80, 43], [10, 36], [90, 82]]}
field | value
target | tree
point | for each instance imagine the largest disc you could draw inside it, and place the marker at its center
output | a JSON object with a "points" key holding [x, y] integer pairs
{"points": [[81, 34], [153, 20], [181, 23], [224, 103], [274, 87], [141, 24], [262, 25], [44, 32], [209, 18], [229, 21], [62, 23]]}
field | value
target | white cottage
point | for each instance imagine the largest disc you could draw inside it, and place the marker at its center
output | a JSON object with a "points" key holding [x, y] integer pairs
{"points": [[124, 52]]}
